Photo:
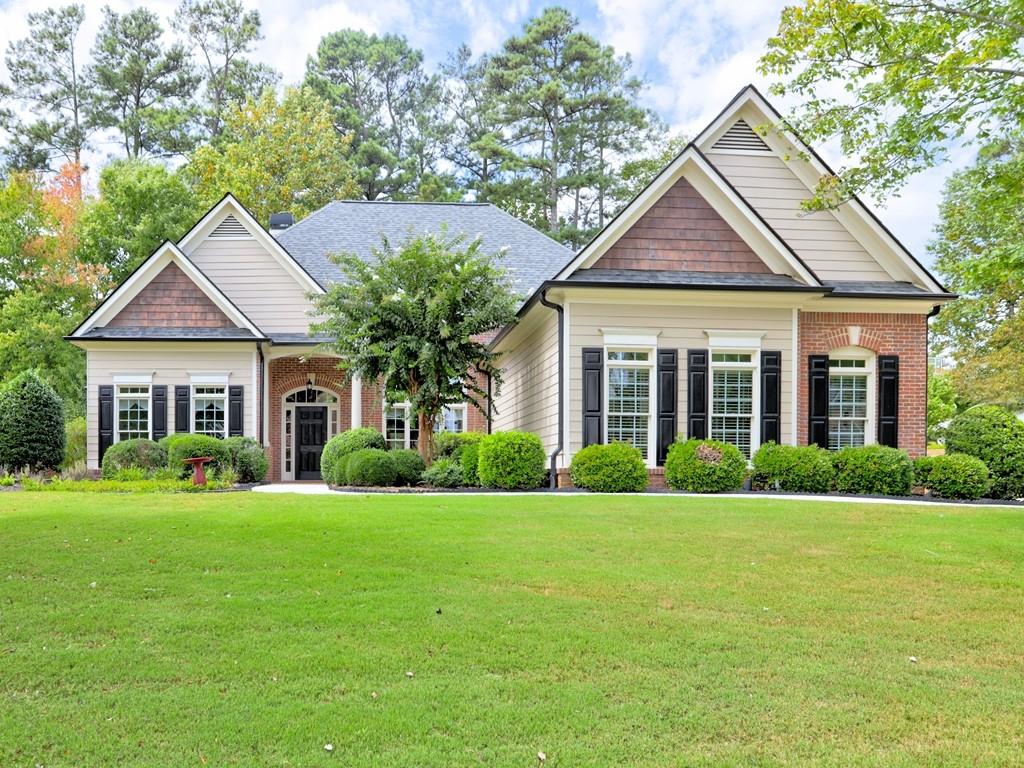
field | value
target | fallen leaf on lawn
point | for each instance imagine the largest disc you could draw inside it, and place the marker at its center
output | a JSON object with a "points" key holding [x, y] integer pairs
{"points": [[92, 585], [328, 747], [408, 674], [541, 756], [913, 659], [374, 694]]}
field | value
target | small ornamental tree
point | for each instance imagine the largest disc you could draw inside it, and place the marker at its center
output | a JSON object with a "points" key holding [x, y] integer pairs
{"points": [[413, 316], [31, 425]]}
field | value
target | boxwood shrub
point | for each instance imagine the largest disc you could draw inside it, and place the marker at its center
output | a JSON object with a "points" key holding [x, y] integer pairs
{"points": [[141, 454], [704, 466], [247, 459], [797, 469], [612, 468], [449, 445], [923, 470], [443, 473], [189, 446], [958, 476], [996, 436], [409, 467], [31, 425], [511, 460], [873, 469], [370, 467], [469, 460], [332, 459]]}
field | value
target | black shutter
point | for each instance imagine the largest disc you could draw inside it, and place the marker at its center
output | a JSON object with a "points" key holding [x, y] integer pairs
{"points": [[697, 393], [182, 407], [593, 397], [668, 399], [106, 419], [235, 410], [888, 400], [817, 400], [771, 397], [159, 411]]}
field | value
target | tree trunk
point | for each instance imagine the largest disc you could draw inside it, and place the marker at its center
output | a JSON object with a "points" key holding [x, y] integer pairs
{"points": [[553, 181], [425, 445]]}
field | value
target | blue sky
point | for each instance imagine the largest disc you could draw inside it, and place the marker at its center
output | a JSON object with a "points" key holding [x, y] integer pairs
{"points": [[695, 55]]}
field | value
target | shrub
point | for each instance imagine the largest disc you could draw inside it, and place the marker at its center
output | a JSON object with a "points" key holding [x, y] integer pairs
{"points": [[873, 469], [126, 474], [247, 459], [332, 467], [370, 466], [141, 454], [704, 466], [449, 445], [409, 467], [470, 463], [995, 436], [74, 442], [511, 460], [189, 446], [31, 425], [612, 468], [958, 476], [443, 473], [6, 481], [797, 469], [923, 469]]}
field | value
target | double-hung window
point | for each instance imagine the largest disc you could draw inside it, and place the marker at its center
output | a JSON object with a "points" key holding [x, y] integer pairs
{"points": [[629, 417], [733, 380], [453, 419], [133, 412], [401, 427], [209, 410], [849, 398]]}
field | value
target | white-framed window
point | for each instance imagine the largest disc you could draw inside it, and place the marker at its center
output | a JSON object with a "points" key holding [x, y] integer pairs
{"points": [[453, 419], [210, 410], [401, 426], [630, 399], [734, 394], [134, 407], [851, 398]]}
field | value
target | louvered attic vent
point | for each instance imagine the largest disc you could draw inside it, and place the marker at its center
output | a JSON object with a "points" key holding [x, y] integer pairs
{"points": [[741, 136], [230, 227]]}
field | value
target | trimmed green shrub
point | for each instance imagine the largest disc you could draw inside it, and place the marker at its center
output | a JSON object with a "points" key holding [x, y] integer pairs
{"points": [[189, 446], [704, 466], [449, 445], [74, 442], [141, 454], [443, 473], [511, 460], [409, 466], [996, 436], [612, 468], [332, 467], [247, 459], [31, 425], [470, 463], [873, 469], [958, 476], [370, 467], [792, 468], [923, 470], [6, 481]]}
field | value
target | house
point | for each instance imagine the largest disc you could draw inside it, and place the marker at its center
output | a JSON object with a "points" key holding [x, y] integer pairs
{"points": [[713, 305]]}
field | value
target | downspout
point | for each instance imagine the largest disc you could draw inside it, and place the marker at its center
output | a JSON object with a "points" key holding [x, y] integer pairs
{"points": [[561, 368], [263, 384], [490, 405]]}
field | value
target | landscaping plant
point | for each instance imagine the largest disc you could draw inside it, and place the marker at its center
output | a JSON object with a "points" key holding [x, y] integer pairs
{"points": [[612, 468], [873, 469], [141, 454], [958, 476], [247, 459], [511, 460], [31, 425], [469, 460], [443, 473], [792, 468], [996, 436], [409, 466], [189, 446], [370, 467], [339, 447], [704, 466]]}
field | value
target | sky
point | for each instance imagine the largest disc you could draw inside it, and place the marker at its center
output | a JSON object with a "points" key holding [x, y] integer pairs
{"points": [[695, 55]]}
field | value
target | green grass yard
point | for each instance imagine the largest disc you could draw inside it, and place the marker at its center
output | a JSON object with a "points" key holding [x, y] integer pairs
{"points": [[251, 630]]}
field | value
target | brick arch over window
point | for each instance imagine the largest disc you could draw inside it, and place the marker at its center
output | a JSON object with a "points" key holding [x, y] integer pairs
{"points": [[854, 336]]}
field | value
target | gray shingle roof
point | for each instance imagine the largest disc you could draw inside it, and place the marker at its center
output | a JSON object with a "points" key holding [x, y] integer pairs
{"points": [[679, 278], [169, 333], [860, 287], [355, 226], [298, 338]]}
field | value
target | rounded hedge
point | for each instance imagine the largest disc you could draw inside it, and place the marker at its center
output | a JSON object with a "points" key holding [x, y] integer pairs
{"points": [[792, 468], [142, 454], [996, 436], [704, 466], [332, 465], [612, 468], [247, 459], [469, 460], [189, 446], [923, 470], [873, 469], [409, 467], [443, 473], [370, 467], [31, 425], [449, 445], [511, 460], [958, 476]]}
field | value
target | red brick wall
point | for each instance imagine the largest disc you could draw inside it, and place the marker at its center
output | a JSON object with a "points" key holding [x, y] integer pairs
{"points": [[884, 334], [171, 300]]}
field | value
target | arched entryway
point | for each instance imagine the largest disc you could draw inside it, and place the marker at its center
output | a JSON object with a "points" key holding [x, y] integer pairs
{"points": [[310, 417]]}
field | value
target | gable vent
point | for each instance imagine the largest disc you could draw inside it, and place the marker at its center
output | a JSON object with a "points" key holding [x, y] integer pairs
{"points": [[741, 136], [230, 227]]}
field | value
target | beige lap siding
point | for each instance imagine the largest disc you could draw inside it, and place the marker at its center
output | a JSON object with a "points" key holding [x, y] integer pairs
{"points": [[681, 328], [884, 334], [170, 364]]}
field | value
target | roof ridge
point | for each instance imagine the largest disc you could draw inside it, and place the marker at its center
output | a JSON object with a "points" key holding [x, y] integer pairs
{"points": [[414, 202]]}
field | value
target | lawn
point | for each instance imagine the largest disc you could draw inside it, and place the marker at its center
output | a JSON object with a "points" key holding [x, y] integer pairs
{"points": [[249, 629]]}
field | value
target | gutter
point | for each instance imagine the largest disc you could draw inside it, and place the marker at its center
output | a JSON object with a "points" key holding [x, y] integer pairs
{"points": [[561, 373], [262, 384]]}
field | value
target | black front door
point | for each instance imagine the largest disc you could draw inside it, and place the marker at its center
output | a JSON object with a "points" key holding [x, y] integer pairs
{"points": [[309, 441]]}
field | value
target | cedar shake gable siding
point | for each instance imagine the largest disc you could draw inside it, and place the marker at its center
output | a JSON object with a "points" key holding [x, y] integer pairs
{"points": [[681, 231], [171, 300]]}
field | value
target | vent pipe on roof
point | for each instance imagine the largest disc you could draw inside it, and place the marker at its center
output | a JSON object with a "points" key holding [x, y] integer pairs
{"points": [[279, 222]]}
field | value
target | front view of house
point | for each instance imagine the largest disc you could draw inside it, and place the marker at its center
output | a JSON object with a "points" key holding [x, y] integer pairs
{"points": [[712, 306]]}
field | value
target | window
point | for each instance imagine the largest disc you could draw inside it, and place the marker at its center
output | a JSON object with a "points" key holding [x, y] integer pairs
{"points": [[452, 420], [630, 400], [848, 414], [133, 409], [401, 427], [209, 411], [732, 399]]}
